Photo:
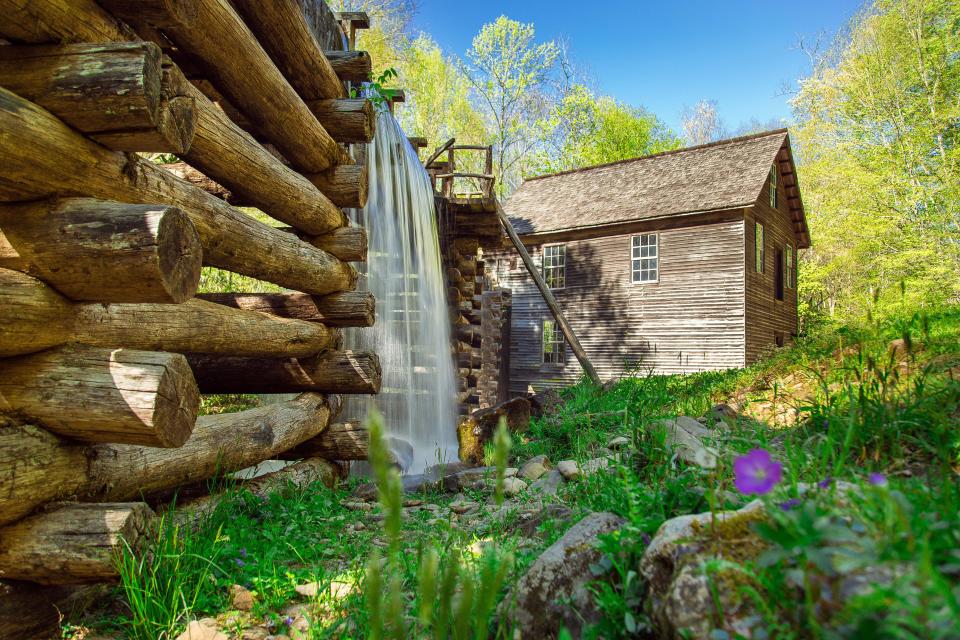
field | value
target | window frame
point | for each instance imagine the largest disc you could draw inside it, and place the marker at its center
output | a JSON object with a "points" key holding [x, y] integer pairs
{"points": [[759, 247], [558, 341], [562, 267], [656, 258], [772, 186], [789, 267]]}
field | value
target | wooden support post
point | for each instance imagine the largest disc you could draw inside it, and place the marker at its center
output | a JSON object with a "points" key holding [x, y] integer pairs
{"points": [[561, 319], [340, 441], [104, 395], [349, 121], [111, 92], [346, 243], [72, 543], [347, 309], [42, 156], [223, 46], [345, 185], [35, 317], [351, 22], [60, 21], [100, 251], [329, 372], [351, 66]]}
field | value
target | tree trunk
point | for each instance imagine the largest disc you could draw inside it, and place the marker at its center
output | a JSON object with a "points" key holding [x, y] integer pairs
{"points": [[347, 309], [340, 441], [329, 372], [111, 92], [106, 251], [73, 543], [346, 184], [42, 156], [232, 58], [351, 66], [284, 31], [104, 395], [35, 317], [346, 243]]}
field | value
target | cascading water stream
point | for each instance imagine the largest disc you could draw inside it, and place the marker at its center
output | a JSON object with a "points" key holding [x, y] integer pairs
{"points": [[411, 334]]}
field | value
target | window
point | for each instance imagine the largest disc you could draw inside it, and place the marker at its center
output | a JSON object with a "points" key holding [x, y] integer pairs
{"points": [[554, 347], [554, 265], [790, 271], [778, 280], [760, 253], [645, 258], [773, 186]]}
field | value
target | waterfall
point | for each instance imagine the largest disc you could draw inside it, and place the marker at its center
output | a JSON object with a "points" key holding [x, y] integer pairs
{"points": [[412, 332]]}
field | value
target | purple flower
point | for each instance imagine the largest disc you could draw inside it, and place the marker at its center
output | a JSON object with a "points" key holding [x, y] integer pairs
{"points": [[288, 621], [756, 473], [877, 479], [240, 562], [790, 504], [825, 483], [243, 552]]}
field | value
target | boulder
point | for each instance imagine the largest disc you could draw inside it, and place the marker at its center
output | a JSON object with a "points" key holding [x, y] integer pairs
{"points": [[535, 467], [685, 436], [241, 598], [569, 469], [204, 629], [468, 478], [548, 485], [553, 592], [513, 486], [529, 525], [722, 415], [477, 429], [619, 443]]}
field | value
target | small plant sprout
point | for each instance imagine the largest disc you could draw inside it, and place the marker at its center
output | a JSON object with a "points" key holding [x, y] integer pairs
{"points": [[757, 473], [501, 454]]}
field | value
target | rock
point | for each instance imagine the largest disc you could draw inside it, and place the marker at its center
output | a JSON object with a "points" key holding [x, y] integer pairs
{"points": [[722, 414], [203, 629], [465, 506], [535, 467], [594, 465], [543, 403], [241, 598], [695, 427], [682, 436], [510, 472], [569, 469], [528, 526], [357, 506], [467, 478], [513, 486], [412, 503], [477, 429], [619, 443], [548, 485], [299, 629], [255, 633], [553, 592]]}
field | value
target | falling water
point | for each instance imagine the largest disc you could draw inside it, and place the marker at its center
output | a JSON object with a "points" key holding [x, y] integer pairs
{"points": [[411, 334]]}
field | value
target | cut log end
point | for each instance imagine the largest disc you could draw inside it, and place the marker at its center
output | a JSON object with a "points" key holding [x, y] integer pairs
{"points": [[178, 402], [180, 257]]}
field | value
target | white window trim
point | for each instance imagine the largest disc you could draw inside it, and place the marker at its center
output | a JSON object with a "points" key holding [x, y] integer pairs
{"points": [[630, 249], [543, 257], [773, 183], [543, 341], [762, 262]]}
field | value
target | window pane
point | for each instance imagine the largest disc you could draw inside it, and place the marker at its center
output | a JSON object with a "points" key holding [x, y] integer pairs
{"points": [[644, 258]]}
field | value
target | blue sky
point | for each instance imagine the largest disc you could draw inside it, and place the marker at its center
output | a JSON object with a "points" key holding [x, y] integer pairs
{"points": [[664, 55]]}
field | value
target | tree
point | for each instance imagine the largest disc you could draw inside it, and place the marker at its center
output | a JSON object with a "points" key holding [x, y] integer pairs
{"points": [[879, 126], [510, 75], [702, 124], [588, 130]]}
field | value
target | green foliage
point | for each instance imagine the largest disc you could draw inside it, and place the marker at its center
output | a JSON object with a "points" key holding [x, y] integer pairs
{"points": [[880, 160], [502, 444]]}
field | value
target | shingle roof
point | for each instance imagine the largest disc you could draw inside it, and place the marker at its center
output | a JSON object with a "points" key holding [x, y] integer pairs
{"points": [[721, 175]]}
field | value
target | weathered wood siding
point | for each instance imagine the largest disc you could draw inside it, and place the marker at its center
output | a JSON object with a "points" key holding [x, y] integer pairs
{"points": [[767, 318], [691, 320]]}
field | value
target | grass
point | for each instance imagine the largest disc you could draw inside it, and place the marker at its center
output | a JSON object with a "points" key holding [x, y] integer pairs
{"points": [[839, 405]]}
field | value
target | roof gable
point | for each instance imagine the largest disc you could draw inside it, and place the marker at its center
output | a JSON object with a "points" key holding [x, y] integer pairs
{"points": [[721, 175]]}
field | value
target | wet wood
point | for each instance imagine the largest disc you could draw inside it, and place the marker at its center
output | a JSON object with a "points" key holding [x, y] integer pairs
{"points": [[240, 68], [72, 543], [99, 394], [346, 309], [112, 92], [42, 156], [351, 66], [100, 251], [329, 372]]}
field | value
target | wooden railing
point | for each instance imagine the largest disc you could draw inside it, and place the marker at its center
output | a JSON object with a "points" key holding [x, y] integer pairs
{"points": [[445, 174]]}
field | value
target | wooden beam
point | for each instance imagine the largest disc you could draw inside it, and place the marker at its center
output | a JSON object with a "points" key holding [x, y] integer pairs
{"points": [[92, 250], [213, 33], [39, 21], [351, 22], [350, 120], [42, 157], [345, 185], [111, 92], [351, 66], [347, 309], [72, 543], [561, 319], [329, 372], [104, 394], [340, 441], [346, 243]]}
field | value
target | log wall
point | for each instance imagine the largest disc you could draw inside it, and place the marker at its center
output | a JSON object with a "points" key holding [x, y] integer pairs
{"points": [[104, 346]]}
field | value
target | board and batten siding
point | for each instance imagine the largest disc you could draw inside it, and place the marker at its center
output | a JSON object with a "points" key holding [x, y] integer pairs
{"points": [[691, 320], [766, 316]]}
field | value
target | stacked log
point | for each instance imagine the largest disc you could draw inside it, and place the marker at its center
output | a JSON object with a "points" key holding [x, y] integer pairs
{"points": [[464, 271], [105, 344]]}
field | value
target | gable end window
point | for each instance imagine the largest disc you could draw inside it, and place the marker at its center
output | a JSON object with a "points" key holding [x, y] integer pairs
{"points": [[645, 258], [791, 272], [554, 348], [760, 254], [773, 186], [555, 265]]}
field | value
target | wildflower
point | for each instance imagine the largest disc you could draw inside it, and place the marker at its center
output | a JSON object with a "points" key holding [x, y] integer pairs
{"points": [[790, 504], [243, 552], [756, 473], [877, 479], [240, 563], [825, 483], [288, 621]]}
